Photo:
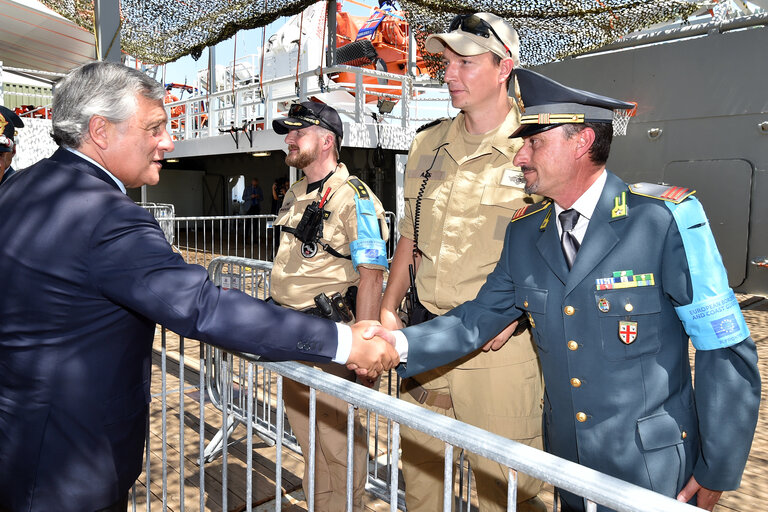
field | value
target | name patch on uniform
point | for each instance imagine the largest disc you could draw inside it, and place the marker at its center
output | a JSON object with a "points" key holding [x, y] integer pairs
{"points": [[624, 279], [513, 178]]}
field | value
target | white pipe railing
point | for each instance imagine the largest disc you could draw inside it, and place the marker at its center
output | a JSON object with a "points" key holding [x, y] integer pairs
{"points": [[244, 105]]}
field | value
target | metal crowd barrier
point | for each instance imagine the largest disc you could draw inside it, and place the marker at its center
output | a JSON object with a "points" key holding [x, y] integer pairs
{"points": [[253, 277], [164, 214], [201, 239], [245, 395]]}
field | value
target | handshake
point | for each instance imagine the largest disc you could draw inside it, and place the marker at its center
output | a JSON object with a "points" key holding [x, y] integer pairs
{"points": [[373, 349]]}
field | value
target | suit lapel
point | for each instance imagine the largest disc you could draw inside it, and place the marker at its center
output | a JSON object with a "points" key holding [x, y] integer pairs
{"points": [[600, 237], [549, 247]]}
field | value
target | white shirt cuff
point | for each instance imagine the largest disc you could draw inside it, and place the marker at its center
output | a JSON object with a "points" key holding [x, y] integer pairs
{"points": [[401, 345], [344, 346]]}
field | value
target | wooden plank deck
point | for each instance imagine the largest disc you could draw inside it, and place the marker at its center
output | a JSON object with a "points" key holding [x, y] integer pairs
{"points": [[751, 496]]}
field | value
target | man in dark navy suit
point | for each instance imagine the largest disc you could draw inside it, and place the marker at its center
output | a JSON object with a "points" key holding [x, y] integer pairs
{"points": [[614, 280], [85, 275]]}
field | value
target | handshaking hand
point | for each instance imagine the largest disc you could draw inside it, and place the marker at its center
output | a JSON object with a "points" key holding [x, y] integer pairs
{"points": [[372, 354]]}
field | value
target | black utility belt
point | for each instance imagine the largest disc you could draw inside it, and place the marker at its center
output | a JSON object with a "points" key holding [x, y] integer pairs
{"points": [[335, 307]]}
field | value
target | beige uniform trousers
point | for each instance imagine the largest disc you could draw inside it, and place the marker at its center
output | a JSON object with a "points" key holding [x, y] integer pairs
{"points": [[478, 396], [331, 443]]}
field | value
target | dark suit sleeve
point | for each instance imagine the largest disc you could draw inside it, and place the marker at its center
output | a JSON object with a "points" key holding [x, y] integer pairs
{"points": [[134, 266], [465, 328], [727, 387]]}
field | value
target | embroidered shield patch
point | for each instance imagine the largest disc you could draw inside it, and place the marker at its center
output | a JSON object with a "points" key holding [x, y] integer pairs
{"points": [[308, 249], [627, 332]]}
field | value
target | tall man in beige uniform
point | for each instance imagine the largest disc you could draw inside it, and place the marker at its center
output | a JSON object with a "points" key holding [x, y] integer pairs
{"points": [[331, 262], [461, 190]]}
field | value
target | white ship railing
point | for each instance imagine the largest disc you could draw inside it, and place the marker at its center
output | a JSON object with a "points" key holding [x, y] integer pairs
{"points": [[255, 105]]}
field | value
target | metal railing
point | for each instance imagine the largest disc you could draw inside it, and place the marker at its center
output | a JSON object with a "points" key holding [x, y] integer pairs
{"points": [[165, 215], [245, 393], [201, 239], [253, 106]]}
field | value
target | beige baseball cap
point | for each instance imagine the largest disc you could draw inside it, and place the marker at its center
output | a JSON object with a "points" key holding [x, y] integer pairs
{"points": [[473, 34]]}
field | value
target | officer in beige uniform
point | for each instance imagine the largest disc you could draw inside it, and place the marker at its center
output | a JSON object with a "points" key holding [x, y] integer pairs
{"points": [[461, 190], [331, 262]]}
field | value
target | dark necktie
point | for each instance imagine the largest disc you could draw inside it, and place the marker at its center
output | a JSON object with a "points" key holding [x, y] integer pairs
{"points": [[568, 220]]}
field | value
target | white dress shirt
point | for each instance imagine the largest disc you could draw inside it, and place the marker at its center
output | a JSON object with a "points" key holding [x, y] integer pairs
{"points": [[585, 205]]}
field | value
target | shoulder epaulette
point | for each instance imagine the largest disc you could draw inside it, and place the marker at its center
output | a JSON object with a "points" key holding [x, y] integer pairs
{"points": [[359, 187], [661, 191], [431, 124], [530, 209]]}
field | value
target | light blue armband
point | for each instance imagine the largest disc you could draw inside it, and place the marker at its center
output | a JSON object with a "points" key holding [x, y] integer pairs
{"points": [[369, 248], [713, 319]]}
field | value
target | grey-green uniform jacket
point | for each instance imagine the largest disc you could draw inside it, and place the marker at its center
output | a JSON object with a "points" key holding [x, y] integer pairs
{"points": [[612, 336]]}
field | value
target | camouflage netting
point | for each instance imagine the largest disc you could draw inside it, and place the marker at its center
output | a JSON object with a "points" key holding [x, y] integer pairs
{"points": [[549, 29], [160, 31]]}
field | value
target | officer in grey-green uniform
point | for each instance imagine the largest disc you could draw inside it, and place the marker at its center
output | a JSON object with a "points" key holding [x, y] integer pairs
{"points": [[615, 279]]}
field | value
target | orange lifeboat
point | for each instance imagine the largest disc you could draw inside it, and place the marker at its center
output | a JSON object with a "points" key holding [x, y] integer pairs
{"points": [[378, 42]]}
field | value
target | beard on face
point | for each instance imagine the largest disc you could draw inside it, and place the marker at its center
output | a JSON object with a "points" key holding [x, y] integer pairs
{"points": [[302, 158], [533, 187]]}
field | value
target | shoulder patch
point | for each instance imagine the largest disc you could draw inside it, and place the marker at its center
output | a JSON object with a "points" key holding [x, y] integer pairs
{"points": [[663, 192], [529, 209], [358, 187], [431, 124]]}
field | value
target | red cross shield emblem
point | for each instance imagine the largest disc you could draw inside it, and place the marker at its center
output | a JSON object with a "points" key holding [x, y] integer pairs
{"points": [[627, 332]]}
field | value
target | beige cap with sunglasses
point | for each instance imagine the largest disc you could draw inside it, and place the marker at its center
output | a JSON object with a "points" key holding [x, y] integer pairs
{"points": [[473, 34]]}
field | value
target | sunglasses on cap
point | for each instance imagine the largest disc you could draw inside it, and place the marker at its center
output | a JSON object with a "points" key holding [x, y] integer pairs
{"points": [[299, 111], [476, 25]]}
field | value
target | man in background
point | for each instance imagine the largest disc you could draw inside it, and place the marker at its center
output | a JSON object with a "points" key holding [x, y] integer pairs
{"points": [[9, 122], [252, 198]]}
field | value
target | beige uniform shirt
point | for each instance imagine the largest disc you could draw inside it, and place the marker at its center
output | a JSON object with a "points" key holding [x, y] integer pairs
{"points": [[465, 208], [296, 279]]}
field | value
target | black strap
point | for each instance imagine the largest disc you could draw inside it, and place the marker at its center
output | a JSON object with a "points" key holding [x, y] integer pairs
{"points": [[333, 252]]}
